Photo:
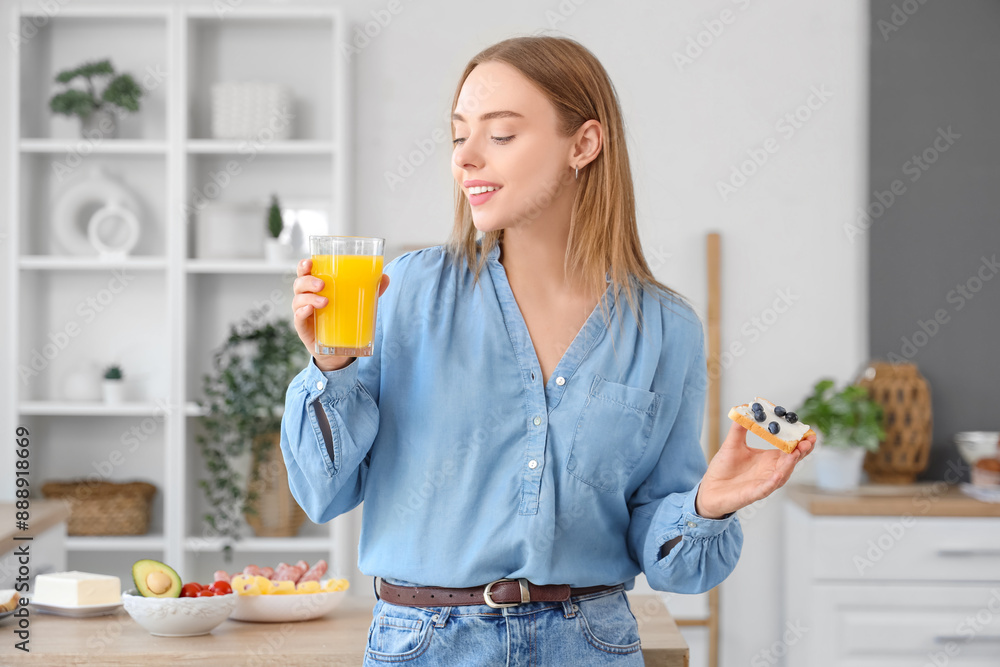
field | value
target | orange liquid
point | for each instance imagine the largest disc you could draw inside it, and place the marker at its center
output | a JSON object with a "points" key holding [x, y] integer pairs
{"points": [[351, 285]]}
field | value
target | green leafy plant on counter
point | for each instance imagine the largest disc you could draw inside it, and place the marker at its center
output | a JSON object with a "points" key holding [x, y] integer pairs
{"points": [[113, 372], [244, 398], [121, 92], [848, 418]]}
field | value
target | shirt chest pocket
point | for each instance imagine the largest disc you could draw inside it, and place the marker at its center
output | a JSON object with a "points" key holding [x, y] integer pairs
{"points": [[611, 434]]}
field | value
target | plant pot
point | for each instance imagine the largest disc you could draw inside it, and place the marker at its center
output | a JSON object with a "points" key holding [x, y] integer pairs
{"points": [[113, 391], [99, 124], [277, 513], [838, 468], [275, 252]]}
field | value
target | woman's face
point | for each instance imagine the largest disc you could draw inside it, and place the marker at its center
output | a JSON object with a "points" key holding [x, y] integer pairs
{"points": [[507, 137]]}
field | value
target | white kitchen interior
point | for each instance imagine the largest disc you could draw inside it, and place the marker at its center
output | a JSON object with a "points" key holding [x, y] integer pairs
{"points": [[704, 87]]}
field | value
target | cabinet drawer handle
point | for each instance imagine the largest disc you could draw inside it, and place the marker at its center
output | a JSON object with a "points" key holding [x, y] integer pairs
{"points": [[965, 639], [968, 552]]}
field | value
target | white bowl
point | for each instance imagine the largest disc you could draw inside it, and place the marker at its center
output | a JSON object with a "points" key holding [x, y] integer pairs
{"points": [[178, 617], [975, 445], [286, 608]]}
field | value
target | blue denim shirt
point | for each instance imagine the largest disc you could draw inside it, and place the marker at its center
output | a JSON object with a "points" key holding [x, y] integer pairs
{"points": [[472, 469]]}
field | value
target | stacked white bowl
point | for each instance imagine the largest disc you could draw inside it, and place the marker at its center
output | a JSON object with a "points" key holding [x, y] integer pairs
{"points": [[975, 445]]}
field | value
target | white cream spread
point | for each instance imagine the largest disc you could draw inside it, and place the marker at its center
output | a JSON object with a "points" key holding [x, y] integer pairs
{"points": [[786, 431]]}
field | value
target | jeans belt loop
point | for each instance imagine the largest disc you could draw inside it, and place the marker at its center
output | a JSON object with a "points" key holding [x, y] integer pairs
{"points": [[525, 594]]}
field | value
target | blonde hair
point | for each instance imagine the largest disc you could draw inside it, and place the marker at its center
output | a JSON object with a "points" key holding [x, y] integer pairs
{"points": [[603, 235]]}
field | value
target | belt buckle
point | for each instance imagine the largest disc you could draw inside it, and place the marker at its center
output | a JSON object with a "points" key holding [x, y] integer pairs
{"points": [[525, 594]]}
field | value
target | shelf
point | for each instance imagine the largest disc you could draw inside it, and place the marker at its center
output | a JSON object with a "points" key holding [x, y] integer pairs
{"points": [[65, 263], [245, 146], [266, 544], [239, 266], [118, 146], [97, 408], [114, 543]]}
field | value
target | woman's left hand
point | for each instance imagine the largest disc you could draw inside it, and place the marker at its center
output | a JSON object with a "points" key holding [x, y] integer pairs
{"points": [[739, 475]]}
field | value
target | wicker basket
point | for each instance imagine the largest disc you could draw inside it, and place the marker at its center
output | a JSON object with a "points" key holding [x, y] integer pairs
{"points": [[104, 508], [905, 398], [277, 513]]}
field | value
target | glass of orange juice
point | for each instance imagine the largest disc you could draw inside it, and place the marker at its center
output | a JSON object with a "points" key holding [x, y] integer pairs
{"points": [[351, 270]]}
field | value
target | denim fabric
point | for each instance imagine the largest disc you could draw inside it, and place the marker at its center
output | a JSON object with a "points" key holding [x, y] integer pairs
{"points": [[471, 468], [594, 629]]}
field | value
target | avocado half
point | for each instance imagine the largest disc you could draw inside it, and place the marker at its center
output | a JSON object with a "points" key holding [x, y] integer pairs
{"points": [[153, 579]]}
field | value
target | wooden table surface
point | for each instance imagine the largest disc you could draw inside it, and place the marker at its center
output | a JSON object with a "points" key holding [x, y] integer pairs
{"points": [[920, 499], [336, 639]]}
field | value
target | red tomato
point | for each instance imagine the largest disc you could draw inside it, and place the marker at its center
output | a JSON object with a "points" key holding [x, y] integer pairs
{"points": [[205, 593], [221, 588], [190, 589]]}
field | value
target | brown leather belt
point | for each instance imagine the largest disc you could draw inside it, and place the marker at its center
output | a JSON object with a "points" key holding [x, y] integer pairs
{"points": [[496, 594]]}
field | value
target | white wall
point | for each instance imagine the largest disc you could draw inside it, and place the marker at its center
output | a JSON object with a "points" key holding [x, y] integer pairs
{"points": [[782, 232]]}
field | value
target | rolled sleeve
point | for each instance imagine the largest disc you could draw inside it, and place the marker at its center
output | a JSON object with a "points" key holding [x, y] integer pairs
{"points": [[329, 425]]}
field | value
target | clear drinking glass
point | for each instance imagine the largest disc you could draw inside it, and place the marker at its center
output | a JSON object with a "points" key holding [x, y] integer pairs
{"points": [[351, 270]]}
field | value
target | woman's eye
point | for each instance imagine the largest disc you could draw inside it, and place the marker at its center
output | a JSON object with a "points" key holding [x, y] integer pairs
{"points": [[499, 140]]}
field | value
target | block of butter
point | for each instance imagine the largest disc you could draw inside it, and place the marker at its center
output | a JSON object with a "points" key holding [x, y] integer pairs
{"points": [[76, 589]]}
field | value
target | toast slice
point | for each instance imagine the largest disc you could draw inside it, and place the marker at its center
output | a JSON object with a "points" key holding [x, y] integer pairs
{"points": [[8, 599], [789, 432]]}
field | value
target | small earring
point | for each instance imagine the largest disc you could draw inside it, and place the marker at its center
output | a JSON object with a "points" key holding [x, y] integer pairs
{"points": [[577, 173]]}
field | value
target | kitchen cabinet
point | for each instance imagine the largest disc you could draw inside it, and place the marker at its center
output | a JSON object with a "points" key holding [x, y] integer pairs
{"points": [[891, 576], [159, 311]]}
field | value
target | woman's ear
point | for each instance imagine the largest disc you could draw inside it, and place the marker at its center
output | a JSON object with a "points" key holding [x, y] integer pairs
{"points": [[587, 144]]}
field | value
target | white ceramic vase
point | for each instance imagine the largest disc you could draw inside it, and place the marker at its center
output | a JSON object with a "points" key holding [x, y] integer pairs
{"points": [[274, 251], [113, 391], [838, 468]]}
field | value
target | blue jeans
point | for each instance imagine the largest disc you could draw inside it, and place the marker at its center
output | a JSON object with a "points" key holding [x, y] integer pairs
{"points": [[593, 629]]}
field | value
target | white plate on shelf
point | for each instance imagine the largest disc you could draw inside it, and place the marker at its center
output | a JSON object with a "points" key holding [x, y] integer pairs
{"points": [[987, 494], [76, 611]]}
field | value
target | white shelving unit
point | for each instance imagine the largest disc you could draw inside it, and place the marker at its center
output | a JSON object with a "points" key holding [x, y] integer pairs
{"points": [[168, 311]]}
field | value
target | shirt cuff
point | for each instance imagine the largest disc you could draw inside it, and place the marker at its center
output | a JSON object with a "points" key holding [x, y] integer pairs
{"points": [[330, 386], [695, 524]]}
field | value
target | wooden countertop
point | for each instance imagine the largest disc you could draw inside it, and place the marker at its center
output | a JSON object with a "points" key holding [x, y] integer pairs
{"points": [[336, 639], [42, 515], [921, 499]]}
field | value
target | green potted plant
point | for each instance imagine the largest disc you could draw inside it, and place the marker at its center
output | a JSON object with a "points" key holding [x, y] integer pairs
{"points": [[273, 250], [97, 111], [848, 424], [113, 385], [244, 398]]}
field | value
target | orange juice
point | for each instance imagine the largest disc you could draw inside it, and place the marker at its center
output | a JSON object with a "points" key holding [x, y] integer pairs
{"points": [[350, 283]]}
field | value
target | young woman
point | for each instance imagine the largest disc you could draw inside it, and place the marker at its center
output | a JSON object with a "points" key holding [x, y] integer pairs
{"points": [[526, 435]]}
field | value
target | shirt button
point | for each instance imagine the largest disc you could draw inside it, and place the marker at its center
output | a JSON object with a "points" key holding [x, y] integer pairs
{"points": [[532, 464], [538, 421], [319, 385], [692, 524], [560, 380]]}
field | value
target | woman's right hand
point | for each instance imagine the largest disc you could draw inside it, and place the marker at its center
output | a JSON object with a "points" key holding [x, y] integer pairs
{"points": [[304, 304]]}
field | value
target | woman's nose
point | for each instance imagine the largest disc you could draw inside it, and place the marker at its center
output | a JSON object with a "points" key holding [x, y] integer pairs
{"points": [[466, 154]]}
